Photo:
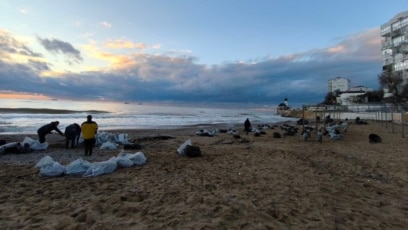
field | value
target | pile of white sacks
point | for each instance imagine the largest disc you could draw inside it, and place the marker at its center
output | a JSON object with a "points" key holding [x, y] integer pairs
{"points": [[333, 129], [104, 140], [80, 167], [110, 141]]}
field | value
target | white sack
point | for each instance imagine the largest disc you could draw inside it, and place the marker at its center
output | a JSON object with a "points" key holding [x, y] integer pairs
{"points": [[182, 147], [100, 168], [109, 146], [55, 169], [35, 144], [77, 167], [137, 158]]}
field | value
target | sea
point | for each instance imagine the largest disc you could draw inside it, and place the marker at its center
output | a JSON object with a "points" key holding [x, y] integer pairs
{"points": [[25, 116]]}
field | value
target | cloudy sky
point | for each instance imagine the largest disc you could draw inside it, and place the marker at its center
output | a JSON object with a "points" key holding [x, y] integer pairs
{"points": [[187, 50]]}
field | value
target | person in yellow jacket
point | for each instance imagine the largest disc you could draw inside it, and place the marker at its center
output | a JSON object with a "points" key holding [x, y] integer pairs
{"points": [[89, 129]]}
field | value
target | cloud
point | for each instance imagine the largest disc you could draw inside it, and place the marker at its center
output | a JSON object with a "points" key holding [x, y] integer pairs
{"points": [[156, 46], [20, 77], [57, 46], [38, 65], [11, 48], [302, 77], [23, 11], [106, 24]]}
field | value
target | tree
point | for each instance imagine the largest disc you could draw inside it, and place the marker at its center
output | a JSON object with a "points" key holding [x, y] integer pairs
{"points": [[330, 98], [395, 85], [372, 96]]}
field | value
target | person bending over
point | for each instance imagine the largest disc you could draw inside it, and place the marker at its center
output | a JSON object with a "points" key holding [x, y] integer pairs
{"points": [[72, 133], [89, 129], [47, 129]]}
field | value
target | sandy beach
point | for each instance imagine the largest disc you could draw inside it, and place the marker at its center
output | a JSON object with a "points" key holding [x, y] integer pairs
{"points": [[239, 183]]}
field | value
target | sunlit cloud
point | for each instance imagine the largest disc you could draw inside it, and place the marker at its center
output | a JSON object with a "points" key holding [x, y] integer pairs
{"points": [[90, 68], [21, 95], [124, 44], [363, 46], [51, 73], [114, 61], [336, 49], [14, 50]]}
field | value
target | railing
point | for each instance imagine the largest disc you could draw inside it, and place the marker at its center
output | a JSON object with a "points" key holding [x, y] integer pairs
{"points": [[392, 116]]}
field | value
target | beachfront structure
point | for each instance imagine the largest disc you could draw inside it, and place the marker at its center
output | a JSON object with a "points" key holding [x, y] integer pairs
{"points": [[284, 105], [346, 95], [339, 84], [351, 96], [360, 88], [394, 46]]}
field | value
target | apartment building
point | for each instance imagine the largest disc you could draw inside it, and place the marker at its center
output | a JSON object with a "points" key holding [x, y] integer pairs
{"points": [[340, 84], [394, 43]]}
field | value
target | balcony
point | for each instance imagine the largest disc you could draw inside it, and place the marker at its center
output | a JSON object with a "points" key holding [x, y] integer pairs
{"points": [[386, 45], [388, 61], [385, 33], [404, 47], [396, 33]]}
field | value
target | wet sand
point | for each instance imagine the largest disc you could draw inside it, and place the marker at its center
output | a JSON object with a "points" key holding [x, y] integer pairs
{"points": [[246, 183]]}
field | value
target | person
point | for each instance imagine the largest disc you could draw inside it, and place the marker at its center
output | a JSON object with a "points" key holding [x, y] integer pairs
{"points": [[345, 125], [47, 129], [89, 129], [327, 119], [72, 133], [247, 126]]}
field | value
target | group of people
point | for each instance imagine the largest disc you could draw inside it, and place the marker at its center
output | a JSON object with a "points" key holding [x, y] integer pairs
{"points": [[88, 129]]}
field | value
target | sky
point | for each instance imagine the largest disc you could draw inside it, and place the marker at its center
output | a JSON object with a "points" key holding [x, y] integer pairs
{"points": [[241, 51]]}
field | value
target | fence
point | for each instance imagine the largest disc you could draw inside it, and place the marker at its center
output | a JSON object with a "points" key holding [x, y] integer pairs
{"points": [[391, 116]]}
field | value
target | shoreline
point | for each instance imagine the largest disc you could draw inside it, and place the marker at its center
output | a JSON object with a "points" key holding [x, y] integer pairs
{"points": [[224, 125], [58, 152]]}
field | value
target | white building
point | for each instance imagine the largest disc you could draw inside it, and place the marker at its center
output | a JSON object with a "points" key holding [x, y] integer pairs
{"points": [[350, 96], [339, 84], [360, 88]]}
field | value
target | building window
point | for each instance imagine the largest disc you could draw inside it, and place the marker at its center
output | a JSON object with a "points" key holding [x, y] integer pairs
{"points": [[386, 30], [387, 52], [397, 41], [404, 22], [400, 66], [396, 25]]}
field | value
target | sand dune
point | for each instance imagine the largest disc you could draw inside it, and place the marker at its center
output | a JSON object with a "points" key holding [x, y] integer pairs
{"points": [[247, 183]]}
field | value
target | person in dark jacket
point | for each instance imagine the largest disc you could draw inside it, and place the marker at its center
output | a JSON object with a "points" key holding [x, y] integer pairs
{"points": [[72, 134], [47, 129], [247, 126]]}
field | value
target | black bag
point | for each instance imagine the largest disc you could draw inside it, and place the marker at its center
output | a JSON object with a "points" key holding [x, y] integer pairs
{"points": [[132, 146], [192, 151], [374, 138]]}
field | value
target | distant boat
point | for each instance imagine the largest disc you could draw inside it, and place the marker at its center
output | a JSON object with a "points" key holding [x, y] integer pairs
{"points": [[126, 102], [54, 99]]}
